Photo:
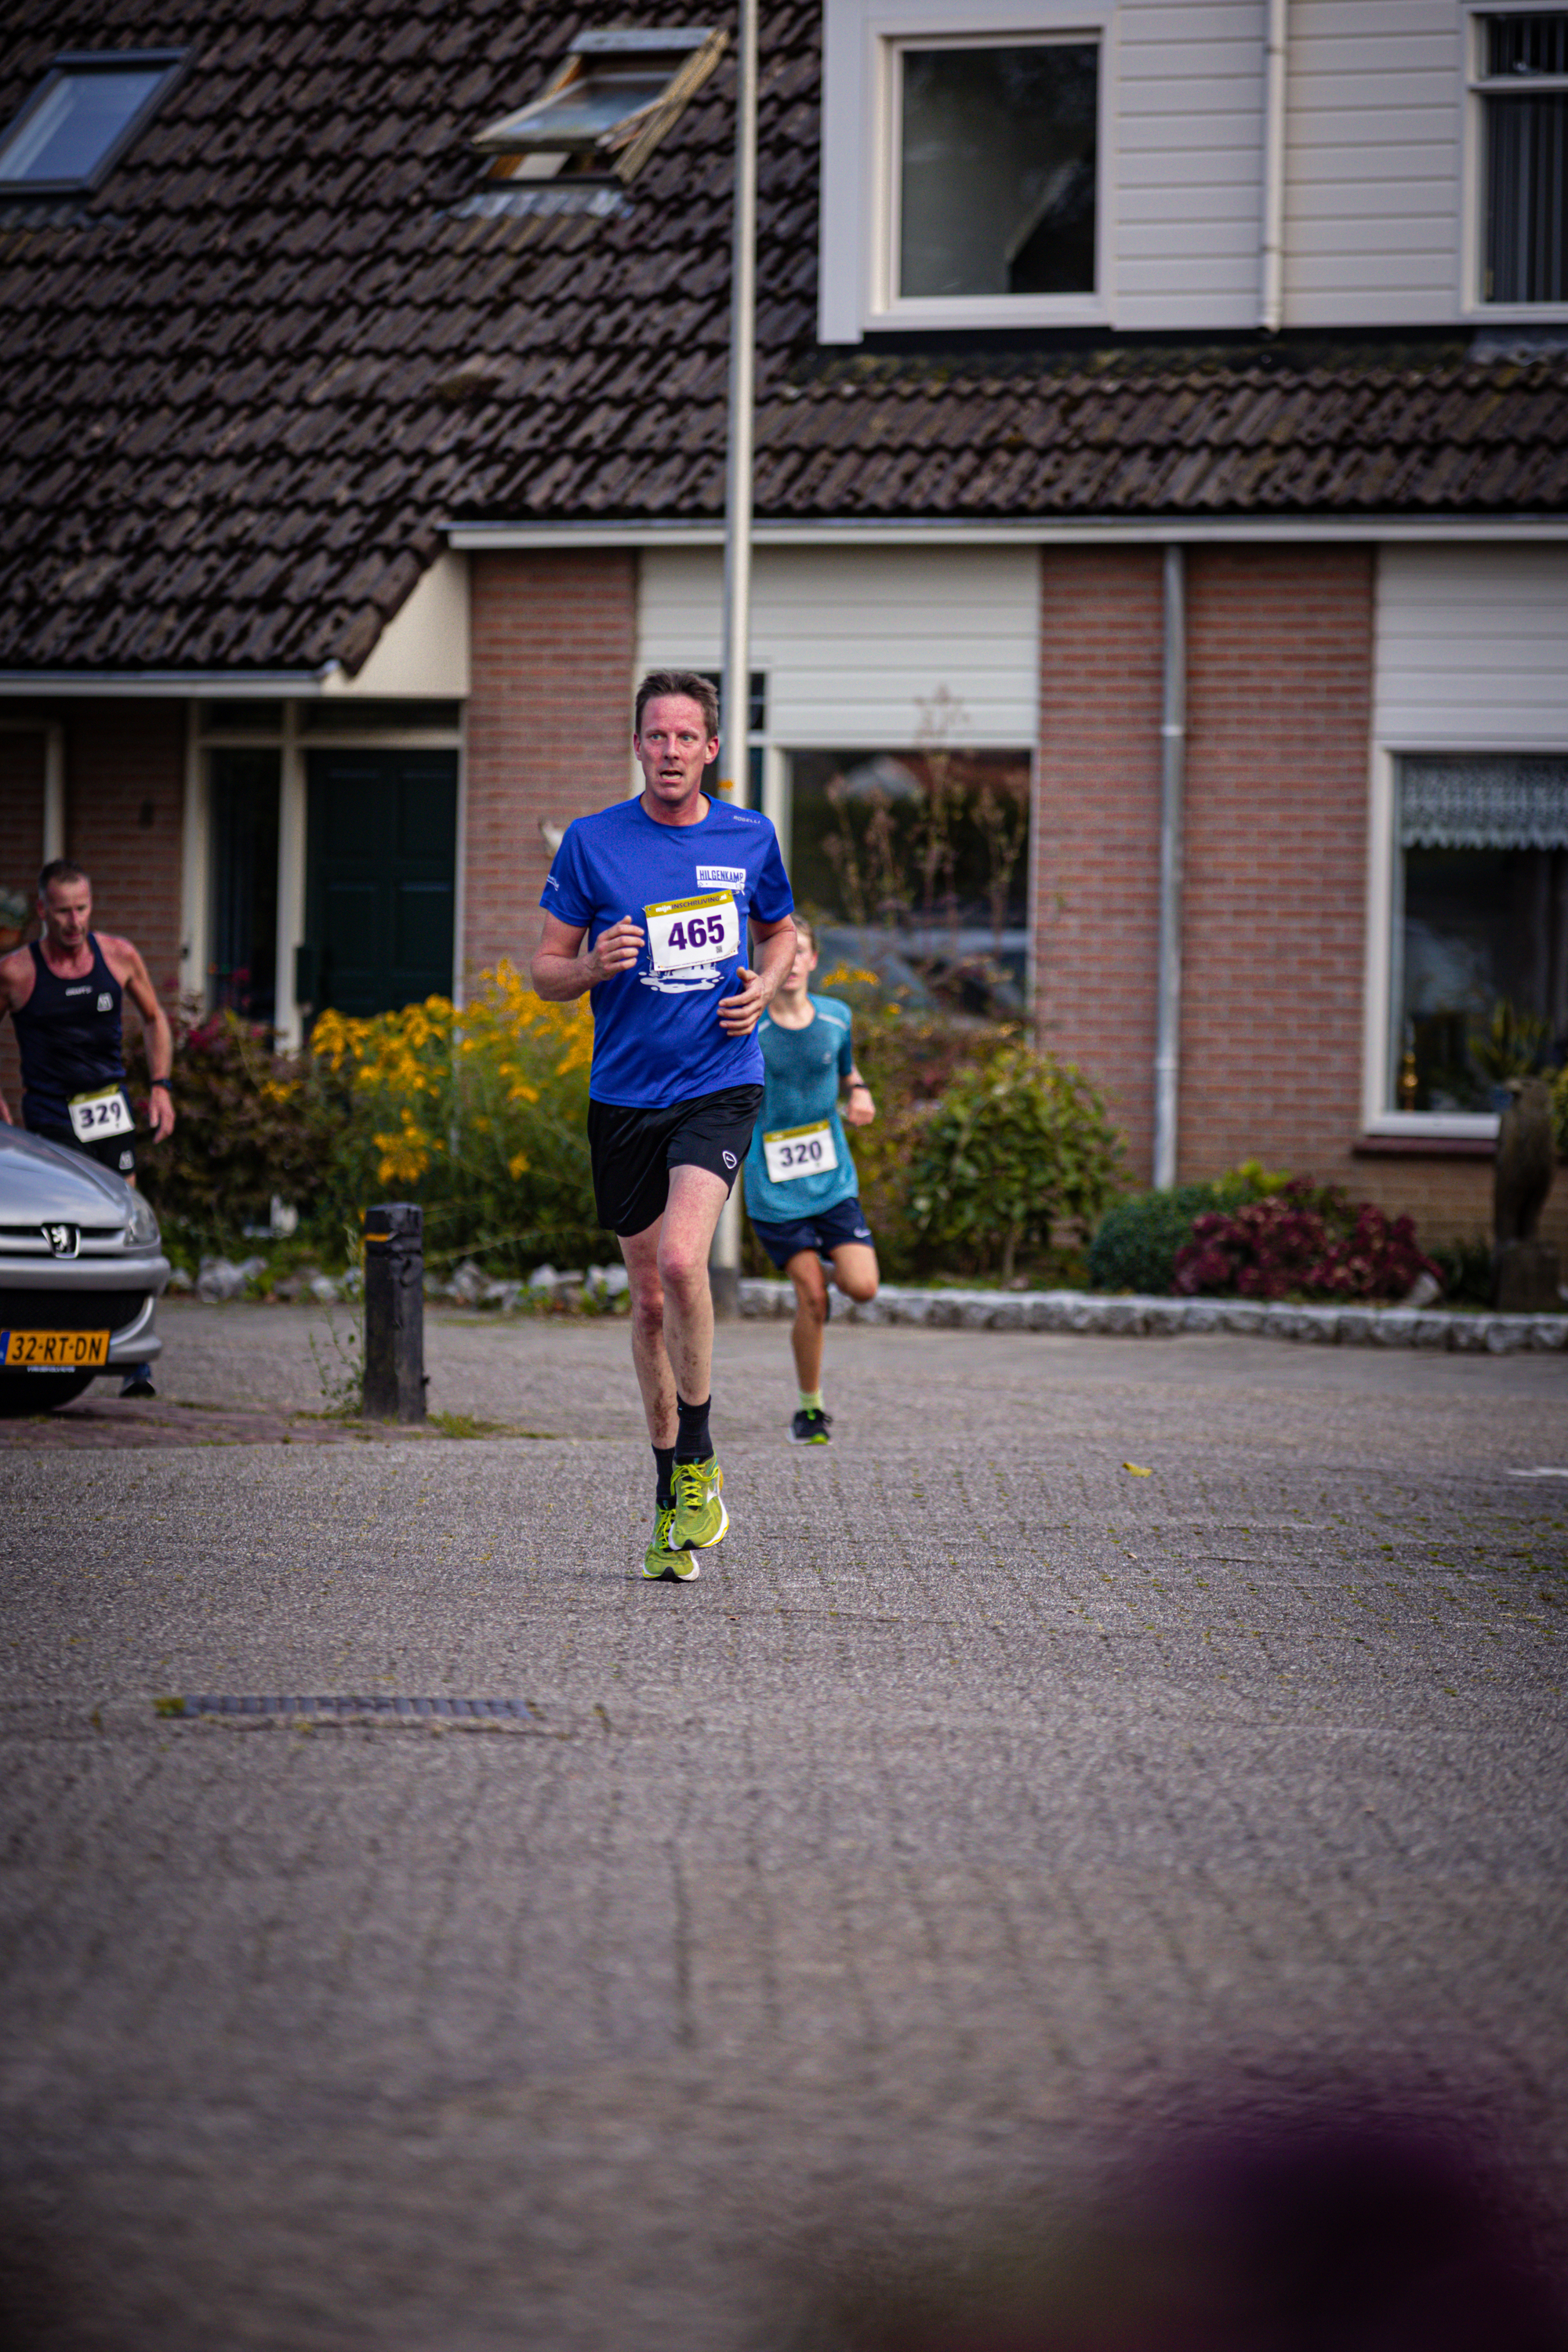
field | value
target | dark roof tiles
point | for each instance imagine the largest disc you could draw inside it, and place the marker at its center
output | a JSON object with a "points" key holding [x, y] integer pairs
{"points": [[246, 379]]}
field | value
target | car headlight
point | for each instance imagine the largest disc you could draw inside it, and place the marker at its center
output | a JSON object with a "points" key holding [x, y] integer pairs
{"points": [[143, 1225]]}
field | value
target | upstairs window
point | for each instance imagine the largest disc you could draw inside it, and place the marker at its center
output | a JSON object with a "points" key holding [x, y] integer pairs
{"points": [[1523, 87], [605, 108], [995, 181], [81, 118]]}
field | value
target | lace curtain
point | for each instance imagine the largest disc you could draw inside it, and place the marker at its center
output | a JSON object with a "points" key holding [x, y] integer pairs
{"points": [[1472, 803]]}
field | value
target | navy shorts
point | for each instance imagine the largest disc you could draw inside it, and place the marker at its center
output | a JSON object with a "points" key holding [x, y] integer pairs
{"points": [[828, 1230], [115, 1152], [633, 1151]]}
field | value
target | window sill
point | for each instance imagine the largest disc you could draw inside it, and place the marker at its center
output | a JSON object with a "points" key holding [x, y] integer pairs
{"points": [[1517, 314], [1428, 1146], [1001, 311]]}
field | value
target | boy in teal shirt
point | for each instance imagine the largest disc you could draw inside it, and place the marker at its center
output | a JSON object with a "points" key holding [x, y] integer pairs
{"points": [[800, 1178]]}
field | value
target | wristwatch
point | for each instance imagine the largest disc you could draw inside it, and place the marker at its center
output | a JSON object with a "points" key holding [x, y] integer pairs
{"points": [[164, 1082]]}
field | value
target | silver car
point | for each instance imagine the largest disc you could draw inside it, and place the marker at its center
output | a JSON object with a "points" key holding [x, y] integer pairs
{"points": [[81, 1271]]}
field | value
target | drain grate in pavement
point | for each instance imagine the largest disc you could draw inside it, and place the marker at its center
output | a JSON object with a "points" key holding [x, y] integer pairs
{"points": [[382, 1707]]}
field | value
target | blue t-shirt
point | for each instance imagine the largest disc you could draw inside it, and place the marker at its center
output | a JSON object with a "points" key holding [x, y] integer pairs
{"points": [[657, 1039], [804, 1069]]}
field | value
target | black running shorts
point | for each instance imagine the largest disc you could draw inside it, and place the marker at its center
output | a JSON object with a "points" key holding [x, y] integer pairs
{"points": [[115, 1152], [634, 1150]]}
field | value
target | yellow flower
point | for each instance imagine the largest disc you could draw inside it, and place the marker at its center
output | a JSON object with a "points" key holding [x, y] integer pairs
{"points": [[517, 1165]]}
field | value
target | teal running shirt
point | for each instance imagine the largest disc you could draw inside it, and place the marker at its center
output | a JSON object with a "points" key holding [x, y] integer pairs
{"points": [[803, 1068]]}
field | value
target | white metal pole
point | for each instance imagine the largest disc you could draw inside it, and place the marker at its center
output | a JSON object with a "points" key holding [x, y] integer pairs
{"points": [[1271, 300], [1172, 778], [734, 750], [54, 791], [194, 875]]}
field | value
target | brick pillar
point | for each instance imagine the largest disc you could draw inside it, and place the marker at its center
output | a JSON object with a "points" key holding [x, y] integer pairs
{"points": [[1278, 716], [125, 771], [1098, 825], [21, 855], [124, 780], [548, 725]]}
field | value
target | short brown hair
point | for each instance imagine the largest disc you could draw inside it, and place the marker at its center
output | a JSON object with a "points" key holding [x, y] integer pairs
{"points": [[689, 682], [61, 870], [804, 924]]}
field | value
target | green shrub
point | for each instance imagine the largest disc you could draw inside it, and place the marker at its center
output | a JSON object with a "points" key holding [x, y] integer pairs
{"points": [[1465, 1269], [480, 1115], [1135, 1245], [248, 1125], [1011, 1151], [1560, 1109], [1137, 1241], [907, 1059]]}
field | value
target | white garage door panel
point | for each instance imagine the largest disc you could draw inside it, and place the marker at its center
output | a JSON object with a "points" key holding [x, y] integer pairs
{"points": [[852, 639], [1472, 649]]}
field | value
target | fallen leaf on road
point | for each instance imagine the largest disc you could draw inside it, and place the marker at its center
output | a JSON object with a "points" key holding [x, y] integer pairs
{"points": [[1136, 1470]]}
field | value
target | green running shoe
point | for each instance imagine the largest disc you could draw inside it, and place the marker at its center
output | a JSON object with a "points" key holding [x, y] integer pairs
{"points": [[701, 1518], [661, 1559]]}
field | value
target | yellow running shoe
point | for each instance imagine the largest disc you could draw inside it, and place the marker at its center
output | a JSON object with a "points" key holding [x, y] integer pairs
{"points": [[701, 1518], [661, 1559]]}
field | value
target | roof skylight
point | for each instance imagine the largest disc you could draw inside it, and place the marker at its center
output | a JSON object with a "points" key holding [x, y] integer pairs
{"points": [[608, 105], [81, 118]]}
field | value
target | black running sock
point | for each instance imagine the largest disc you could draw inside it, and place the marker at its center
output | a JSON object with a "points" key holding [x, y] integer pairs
{"points": [[664, 1494], [693, 1443]]}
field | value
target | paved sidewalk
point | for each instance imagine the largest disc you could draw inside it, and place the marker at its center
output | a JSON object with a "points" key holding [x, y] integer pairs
{"points": [[983, 1807]]}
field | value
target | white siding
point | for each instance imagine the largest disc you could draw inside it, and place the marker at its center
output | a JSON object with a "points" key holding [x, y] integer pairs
{"points": [[1372, 162], [1188, 163], [1472, 649], [1373, 156], [852, 639]]}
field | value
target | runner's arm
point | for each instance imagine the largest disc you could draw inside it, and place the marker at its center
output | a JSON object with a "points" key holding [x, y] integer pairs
{"points": [[15, 987], [859, 1108], [561, 973], [156, 1035], [739, 1015]]}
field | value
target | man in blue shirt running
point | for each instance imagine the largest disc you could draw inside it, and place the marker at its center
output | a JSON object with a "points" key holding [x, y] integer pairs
{"points": [[801, 1186], [661, 889]]}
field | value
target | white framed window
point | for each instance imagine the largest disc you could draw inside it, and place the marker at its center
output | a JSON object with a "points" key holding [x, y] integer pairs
{"points": [[1519, 160], [990, 182], [965, 171], [1478, 929]]}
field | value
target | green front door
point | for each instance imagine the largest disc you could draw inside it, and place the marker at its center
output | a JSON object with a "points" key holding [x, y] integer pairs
{"points": [[381, 864]]}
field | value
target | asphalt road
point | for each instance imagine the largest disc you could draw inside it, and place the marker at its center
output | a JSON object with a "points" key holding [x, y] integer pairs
{"points": [[984, 1814]]}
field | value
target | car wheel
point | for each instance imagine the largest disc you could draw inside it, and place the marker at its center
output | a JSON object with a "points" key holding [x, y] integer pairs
{"points": [[24, 1392]]}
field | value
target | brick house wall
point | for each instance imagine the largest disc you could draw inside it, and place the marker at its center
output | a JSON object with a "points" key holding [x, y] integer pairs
{"points": [[21, 854], [553, 645], [1280, 645], [1098, 825], [1280, 669]]}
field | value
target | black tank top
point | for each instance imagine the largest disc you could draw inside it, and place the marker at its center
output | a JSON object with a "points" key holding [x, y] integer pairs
{"points": [[69, 1037]]}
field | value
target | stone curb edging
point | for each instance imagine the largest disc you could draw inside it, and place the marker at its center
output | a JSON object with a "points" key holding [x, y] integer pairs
{"points": [[1146, 1318]]}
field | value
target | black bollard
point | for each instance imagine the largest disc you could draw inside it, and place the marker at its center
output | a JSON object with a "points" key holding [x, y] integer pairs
{"points": [[395, 1312]]}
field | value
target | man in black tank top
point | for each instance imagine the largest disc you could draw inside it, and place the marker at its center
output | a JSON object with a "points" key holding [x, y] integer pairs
{"points": [[65, 993]]}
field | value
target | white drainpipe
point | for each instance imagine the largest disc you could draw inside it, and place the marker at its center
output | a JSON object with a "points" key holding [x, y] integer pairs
{"points": [[1271, 309], [1172, 776]]}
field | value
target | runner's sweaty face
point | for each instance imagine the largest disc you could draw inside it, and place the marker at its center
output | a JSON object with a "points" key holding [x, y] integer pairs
{"points": [[672, 749], [66, 909]]}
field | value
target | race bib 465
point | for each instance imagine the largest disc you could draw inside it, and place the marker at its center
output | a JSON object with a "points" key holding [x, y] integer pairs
{"points": [[682, 932]]}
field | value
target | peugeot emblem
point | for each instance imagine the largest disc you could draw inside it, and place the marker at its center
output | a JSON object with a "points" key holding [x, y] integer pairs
{"points": [[64, 1241]]}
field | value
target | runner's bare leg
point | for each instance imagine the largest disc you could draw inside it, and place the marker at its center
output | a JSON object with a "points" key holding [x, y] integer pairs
{"points": [[804, 1270], [672, 1306]]}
